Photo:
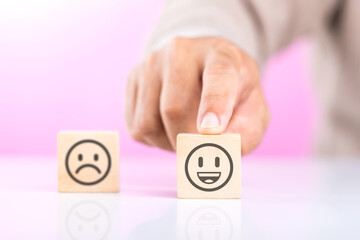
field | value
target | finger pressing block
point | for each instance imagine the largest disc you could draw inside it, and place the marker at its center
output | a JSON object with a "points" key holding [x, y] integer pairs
{"points": [[88, 161], [208, 166]]}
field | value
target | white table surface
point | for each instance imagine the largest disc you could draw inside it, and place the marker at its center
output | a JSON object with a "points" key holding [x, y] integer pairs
{"points": [[281, 199]]}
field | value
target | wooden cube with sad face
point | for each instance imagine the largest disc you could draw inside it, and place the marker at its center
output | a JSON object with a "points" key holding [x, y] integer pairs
{"points": [[88, 161]]}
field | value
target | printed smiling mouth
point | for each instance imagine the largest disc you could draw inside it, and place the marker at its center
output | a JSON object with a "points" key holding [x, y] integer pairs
{"points": [[209, 177], [88, 165]]}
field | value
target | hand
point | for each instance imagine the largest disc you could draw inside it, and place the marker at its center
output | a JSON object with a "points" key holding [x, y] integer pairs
{"points": [[205, 85]]}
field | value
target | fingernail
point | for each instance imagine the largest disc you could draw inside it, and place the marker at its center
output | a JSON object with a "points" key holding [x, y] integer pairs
{"points": [[210, 121]]}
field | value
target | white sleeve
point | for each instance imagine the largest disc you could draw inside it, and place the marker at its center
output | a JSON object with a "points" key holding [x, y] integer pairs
{"points": [[259, 27]]}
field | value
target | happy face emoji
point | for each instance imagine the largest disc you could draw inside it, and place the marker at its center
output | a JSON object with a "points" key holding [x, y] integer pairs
{"points": [[208, 167], [88, 162]]}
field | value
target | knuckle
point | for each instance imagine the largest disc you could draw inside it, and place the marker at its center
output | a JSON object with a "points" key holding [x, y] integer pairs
{"points": [[174, 110], [177, 49], [216, 96], [151, 62], [223, 43], [225, 49], [145, 127], [136, 134], [178, 43], [221, 68]]}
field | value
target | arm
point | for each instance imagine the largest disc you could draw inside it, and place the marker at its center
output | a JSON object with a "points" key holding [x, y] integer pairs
{"points": [[200, 73], [260, 27]]}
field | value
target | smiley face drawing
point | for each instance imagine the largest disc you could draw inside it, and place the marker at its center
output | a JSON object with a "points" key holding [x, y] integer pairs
{"points": [[88, 162], [208, 167]]}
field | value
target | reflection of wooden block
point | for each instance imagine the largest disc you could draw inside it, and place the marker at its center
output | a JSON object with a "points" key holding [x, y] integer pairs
{"points": [[88, 216], [208, 166], [209, 219], [88, 161]]}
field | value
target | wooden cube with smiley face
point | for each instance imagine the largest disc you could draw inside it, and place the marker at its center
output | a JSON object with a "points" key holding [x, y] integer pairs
{"points": [[88, 161], [209, 166]]}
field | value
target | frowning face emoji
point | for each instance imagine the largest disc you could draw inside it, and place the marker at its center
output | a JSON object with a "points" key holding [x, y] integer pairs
{"points": [[88, 162], [208, 167]]}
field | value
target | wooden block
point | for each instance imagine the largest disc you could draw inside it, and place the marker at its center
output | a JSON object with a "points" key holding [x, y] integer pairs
{"points": [[88, 161], [208, 166]]}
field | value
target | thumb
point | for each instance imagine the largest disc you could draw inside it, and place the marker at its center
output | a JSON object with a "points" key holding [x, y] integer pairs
{"points": [[218, 97]]}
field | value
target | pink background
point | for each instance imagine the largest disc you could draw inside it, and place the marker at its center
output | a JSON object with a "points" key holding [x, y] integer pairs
{"points": [[64, 64]]}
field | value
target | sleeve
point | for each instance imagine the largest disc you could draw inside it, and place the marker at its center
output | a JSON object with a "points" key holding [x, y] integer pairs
{"points": [[259, 27]]}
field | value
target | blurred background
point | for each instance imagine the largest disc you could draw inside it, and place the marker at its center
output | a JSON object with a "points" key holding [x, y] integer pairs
{"points": [[64, 65]]}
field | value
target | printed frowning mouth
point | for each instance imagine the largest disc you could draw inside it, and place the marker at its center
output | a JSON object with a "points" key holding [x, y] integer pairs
{"points": [[88, 165], [209, 177]]}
